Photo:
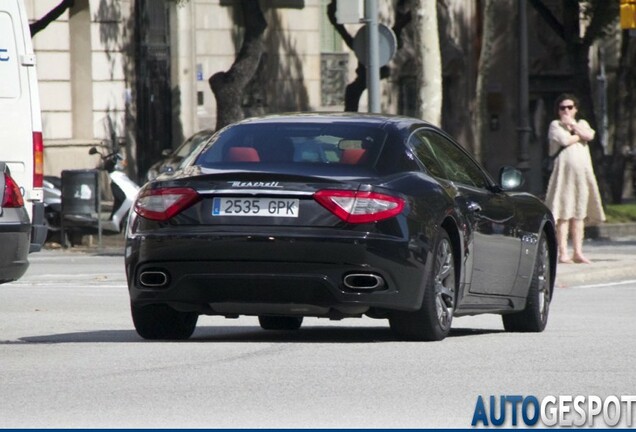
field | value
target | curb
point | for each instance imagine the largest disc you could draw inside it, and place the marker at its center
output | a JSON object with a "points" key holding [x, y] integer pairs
{"points": [[608, 231]]}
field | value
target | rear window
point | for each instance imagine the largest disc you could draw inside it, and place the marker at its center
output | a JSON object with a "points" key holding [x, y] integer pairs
{"points": [[293, 143]]}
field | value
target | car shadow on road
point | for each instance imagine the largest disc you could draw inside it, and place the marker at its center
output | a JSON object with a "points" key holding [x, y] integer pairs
{"points": [[314, 334]]}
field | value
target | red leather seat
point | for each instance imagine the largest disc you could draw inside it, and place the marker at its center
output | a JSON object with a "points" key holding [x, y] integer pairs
{"points": [[242, 154], [352, 156]]}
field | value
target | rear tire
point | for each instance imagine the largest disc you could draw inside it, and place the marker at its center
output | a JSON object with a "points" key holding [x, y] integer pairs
{"points": [[280, 322], [535, 316], [160, 321], [432, 322]]}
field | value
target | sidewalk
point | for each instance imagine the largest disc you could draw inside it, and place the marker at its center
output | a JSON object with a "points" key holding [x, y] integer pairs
{"points": [[613, 258]]}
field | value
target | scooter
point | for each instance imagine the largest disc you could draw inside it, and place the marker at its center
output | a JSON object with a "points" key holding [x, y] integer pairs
{"points": [[123, 188], [124, 191]]}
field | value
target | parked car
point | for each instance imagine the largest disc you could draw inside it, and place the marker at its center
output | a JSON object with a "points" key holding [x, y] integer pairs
{"points": [[172, 158], [338, 215], [15, 229]]}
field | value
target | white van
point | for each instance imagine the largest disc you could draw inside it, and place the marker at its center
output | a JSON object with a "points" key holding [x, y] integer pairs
{"points": [[21, 145]]}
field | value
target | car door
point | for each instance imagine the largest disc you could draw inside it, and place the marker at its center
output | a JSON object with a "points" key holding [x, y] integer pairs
{"points": [[493, 246]]}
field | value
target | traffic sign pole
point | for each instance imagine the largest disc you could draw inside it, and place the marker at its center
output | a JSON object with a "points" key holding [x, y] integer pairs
{"points": [[373, 55]]}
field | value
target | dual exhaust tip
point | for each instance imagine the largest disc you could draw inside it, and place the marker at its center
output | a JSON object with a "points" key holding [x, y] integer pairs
{"points": [[153, 279], [353, 281], [364, 281]]}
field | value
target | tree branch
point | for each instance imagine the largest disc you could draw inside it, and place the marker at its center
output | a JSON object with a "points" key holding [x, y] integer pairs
{"points": [[602, 14], [228, 86], [402, 19], [340, 28], [549, 18], [53, 14]]}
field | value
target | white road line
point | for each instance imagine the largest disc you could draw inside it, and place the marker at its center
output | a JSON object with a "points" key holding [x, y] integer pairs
{"points": [[607, 284]]}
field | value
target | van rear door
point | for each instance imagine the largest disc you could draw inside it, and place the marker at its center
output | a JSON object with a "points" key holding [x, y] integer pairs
{"points": [[21, 144]]}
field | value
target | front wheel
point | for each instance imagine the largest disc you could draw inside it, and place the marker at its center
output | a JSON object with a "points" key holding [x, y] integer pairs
{"points": [[535, 316], [432, 322], [159, 321]]}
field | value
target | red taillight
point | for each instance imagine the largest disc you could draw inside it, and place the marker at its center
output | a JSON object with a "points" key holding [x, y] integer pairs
{"points": [[164, 203], [360, 207], [12, 196], [38, 160]]}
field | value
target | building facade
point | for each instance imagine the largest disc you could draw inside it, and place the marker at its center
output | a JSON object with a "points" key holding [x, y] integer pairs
{"points": [[136, 71]]}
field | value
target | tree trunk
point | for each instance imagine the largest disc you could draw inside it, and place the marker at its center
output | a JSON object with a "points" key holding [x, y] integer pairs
{"points": [[483, 75], [459, 69], [228, 87], [625, 131], [429, 62]]}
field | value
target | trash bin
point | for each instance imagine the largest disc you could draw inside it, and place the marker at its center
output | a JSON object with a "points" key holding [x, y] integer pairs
{"points": [[81, 204]]}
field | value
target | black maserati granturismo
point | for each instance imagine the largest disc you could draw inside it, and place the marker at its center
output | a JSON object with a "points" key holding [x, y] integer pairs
{"points": [[337, 215]]}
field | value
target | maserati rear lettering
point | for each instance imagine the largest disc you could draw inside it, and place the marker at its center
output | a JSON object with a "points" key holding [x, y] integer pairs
{"points": [[273, 184]]}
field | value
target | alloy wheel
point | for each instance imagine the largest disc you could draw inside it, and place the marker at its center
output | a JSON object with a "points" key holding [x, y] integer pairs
{"points": [[444, 284], [543, 280]]}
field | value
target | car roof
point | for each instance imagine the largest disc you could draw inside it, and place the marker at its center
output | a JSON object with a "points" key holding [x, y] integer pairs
{"points": [[337, 117]]}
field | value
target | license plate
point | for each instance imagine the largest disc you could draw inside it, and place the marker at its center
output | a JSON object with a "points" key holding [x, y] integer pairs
{"points": [[275, 207]]}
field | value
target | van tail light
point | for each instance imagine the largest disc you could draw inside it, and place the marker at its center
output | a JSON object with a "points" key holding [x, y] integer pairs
{"points": [[38, 160], [12, 196], [164, 203], [358, 207]]}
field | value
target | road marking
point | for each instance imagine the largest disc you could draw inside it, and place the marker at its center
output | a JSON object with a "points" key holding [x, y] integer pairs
{"points": [[607, 284]]}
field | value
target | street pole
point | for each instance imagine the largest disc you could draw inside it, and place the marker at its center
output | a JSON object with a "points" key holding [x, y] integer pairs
{"points": [[373, 54], [602, 100], [523, 128]]}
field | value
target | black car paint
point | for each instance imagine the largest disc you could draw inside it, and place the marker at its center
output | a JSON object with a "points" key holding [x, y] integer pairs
{"points": [[15, 235], [398, 249], [372, 247]]}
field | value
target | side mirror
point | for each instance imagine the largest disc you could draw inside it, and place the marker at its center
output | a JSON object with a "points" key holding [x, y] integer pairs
{"points": [[510, 178], [92, 151]]}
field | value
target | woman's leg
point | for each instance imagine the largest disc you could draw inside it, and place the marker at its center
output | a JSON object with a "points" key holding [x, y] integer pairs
{"points": [[562, 240], [577, 227]]}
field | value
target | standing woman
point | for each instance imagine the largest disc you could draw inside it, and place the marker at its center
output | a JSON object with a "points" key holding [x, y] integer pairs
{"points": [[572, 194]]}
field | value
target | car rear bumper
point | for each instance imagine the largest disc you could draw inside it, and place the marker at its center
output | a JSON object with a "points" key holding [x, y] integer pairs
{"points": [[244, 275], [14, 251]]}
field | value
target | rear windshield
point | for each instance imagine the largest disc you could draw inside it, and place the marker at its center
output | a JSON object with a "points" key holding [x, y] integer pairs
{"points": [[293, 143]]}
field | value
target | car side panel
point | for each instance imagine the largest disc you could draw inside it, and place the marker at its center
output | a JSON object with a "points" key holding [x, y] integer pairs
{"points": [[532, 220]]}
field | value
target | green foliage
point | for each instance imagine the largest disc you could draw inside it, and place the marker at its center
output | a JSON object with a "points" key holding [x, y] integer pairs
{"points": [[620, 213]]}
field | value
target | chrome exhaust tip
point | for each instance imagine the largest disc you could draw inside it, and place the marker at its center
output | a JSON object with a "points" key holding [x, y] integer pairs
{"points": [[153, 279], [364, 281]]}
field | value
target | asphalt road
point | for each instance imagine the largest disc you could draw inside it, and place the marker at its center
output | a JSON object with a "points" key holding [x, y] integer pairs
{"points": [[70, 358]]}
